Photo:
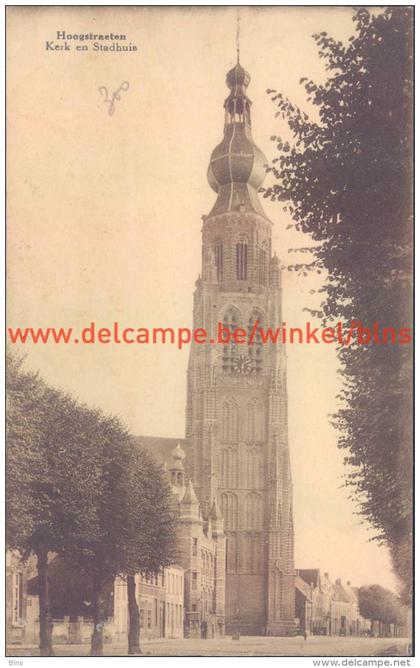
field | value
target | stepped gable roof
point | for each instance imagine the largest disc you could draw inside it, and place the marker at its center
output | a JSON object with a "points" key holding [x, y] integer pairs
{"points": [[340, 593]]}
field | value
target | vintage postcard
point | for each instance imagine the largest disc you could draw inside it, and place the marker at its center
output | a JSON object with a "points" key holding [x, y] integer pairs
{"points": [[209, 331]]}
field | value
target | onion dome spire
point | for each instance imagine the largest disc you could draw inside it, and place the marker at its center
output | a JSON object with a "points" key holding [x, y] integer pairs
{"points": [[236, 169], [176, 468], [178, 453]]}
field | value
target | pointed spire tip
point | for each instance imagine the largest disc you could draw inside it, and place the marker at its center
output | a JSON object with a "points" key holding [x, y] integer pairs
{"points": [[238, 34]]}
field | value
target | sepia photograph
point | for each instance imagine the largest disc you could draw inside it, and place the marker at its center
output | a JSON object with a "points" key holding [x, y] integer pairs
{"points": [[209, 331]]}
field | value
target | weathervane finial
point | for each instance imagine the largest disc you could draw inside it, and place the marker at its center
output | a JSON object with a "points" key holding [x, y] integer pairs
{"points": [[238, 33]]}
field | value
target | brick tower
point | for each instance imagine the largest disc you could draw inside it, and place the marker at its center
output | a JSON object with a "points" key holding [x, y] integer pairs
{"points": [[236, 431]]}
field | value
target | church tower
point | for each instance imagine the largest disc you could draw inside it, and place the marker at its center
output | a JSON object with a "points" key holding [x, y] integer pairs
{"points": [[236, 431]]}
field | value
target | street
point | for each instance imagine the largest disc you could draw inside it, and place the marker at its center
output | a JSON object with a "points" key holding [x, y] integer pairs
{"points": [[246, 646]]}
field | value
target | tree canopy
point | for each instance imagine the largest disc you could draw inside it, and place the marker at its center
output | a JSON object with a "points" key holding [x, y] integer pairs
{"points": [[79, 489], [380, 605], [347, 181]]}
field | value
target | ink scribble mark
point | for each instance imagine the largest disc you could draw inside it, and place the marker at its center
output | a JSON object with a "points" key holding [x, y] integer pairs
{"points": [[110, 101]]}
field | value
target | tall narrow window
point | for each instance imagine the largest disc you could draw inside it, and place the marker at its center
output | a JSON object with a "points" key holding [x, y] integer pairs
{"points": [[229, 473], [254, 468], [231, 553], [230, 322], [262, 267], [242, 260], [230, 510], [255, 421], [218, 252], [246, 556], [253, 511], [230, 420], [17, 597], [255, 351]]}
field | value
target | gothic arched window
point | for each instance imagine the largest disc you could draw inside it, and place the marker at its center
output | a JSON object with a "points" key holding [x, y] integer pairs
{"points": [[257, 557], [253, 511], [247, 556], [262, 266], [230, 421], [230, 322], [229, 510], [255, 350], [254, 467], [231, 553], [242, 259], [229, 475], [218, 253], [255, 421]]}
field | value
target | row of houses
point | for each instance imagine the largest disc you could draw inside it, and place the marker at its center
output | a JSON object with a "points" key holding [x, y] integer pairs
{"points": [[332, 608], [323, 607], [160, 599]]}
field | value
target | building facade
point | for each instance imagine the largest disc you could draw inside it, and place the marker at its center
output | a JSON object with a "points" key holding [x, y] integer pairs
{"points": [[328, 608], [160, 599], [16, 598], [236, 417], [201, 545], [303, 606]]}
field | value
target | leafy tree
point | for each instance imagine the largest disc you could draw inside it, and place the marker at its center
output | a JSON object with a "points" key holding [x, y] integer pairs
{"points": [[53, 448], [135, 526], [135, 530], [23, 395], [144, 541], [77, 487], [347, 178], [150, 530], [25, 474], [380, 605], [98, 555]]}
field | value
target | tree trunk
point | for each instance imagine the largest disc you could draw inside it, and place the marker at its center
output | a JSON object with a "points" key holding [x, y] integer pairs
{"points": [[134, 617], [96, 645], [45, 623]]}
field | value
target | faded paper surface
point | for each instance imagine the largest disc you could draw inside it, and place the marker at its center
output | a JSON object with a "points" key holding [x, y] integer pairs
{"points": [[104, 220]]}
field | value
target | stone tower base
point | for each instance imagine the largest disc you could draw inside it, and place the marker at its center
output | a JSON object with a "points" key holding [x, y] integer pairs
{"points": [[284, 628]]}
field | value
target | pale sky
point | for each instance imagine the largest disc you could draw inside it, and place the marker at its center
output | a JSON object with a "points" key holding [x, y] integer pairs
{"points": [[104, 222]]}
